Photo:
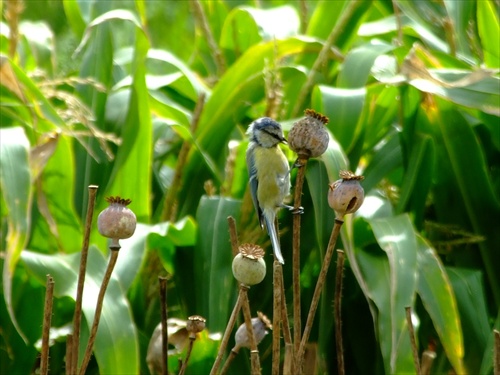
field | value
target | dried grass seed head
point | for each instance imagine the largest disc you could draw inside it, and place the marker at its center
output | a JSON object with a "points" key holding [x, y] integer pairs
{"points": [[308, 137]]}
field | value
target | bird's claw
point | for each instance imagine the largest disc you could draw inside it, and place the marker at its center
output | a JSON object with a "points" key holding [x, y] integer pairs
{"points": [[296, 211], [297, 164]]}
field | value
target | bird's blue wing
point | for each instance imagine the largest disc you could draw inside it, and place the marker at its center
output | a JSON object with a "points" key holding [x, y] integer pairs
{"points": [[254, 184]]}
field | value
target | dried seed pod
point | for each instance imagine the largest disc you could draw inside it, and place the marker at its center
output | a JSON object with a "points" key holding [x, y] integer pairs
{"points": [[249, 267], [346, 195], [195, 324], [308, 137], [260, 324], [117, 221]]}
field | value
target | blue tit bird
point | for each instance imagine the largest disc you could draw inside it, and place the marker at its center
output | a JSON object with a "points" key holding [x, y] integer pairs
{"points": [[269, 175]]}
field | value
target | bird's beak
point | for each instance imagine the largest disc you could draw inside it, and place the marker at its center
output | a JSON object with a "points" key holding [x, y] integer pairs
{"points": [[284, 141]]}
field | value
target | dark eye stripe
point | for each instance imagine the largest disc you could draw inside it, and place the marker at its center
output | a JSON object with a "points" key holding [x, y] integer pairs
{"points": [[276, 136]]}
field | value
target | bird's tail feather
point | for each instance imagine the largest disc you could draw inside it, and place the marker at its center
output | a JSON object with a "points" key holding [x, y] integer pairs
{"points": [[271, 230]]}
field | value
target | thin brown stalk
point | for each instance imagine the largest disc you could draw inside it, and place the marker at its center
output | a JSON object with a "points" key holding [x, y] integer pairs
{"points": [[13, 11], [254, 352], [297, 319], [338, 29], [201, 19], [168, 212], [277, 313], [496, 353], [227, 333], [188, 355], [414, 347], [319, 287], [233, 235], [303, 16], [229, 360], [77, 318], [69, 354], [399, 26], [285, 324], [98, 309], [428, 358], [47, 318], [164, 325], [338, 312]]}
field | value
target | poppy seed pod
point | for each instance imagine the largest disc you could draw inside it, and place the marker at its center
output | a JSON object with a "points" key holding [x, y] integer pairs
{"points": [[117, 221], [260, 326], [249, 267], [195, 324], [308, 137], [346, 195]]}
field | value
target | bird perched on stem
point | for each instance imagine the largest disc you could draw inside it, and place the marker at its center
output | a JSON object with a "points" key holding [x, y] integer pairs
{"points": [[269, 175]]}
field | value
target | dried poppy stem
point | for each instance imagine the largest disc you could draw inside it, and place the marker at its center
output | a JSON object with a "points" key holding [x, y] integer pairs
{"points": [[47, 318], [77, 318], [288, 362], [338, 312], [188, 355], [277, 313], [297, 319], [164, 326], [254, 352], [98, 308], [319, 287], [233, 235], [227, 333], [229, 360], [414, 348], [69, 354]]}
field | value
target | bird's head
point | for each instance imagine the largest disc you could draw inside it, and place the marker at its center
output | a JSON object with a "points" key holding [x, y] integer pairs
{"points": [[266, 132]]}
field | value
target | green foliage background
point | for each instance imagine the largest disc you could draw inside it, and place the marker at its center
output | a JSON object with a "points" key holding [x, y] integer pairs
{"points": [[104, 93]]}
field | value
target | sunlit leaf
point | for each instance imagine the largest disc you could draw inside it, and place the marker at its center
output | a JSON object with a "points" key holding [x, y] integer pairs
{"points": [[213, 259], [15, 183], [436, 292]]}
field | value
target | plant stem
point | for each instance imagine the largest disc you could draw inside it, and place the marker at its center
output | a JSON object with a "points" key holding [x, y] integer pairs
{"points": [[227, 332], [69, 354], [496, 353], [164, 325], [319, 287], [232, 355], [297, 320], [77, 318], [47, 318], [233, 235], [285, 324], [338, 29], [254, 352], [98, 309], [168, 212], [201, 18], [277, 313], [414, 348], [338, 312], [188, 355]]}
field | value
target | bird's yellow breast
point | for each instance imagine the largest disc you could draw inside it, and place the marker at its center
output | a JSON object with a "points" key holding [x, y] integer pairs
{"points": [[272, 175]]}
